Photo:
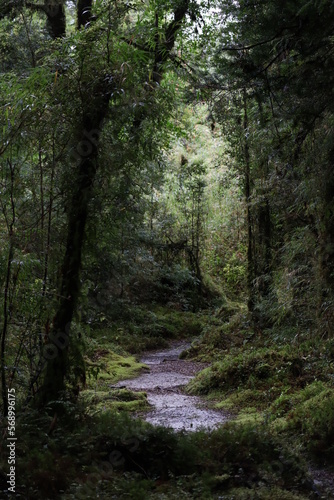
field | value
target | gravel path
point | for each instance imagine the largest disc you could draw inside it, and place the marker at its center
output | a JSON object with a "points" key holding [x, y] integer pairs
{"points": [[171, 407], [323, 480]]}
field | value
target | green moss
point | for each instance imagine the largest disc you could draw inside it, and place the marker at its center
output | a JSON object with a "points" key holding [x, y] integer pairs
{"points": [[115, 400], [106, 368], [245, 369], [147, 329], [280, 425], [249, 416], [314, 418], [291, 399], [281, 406], [308, 415], [240, 399]]}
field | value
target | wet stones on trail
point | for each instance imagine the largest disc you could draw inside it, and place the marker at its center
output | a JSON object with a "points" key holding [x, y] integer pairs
{"points": [[163, 384]]}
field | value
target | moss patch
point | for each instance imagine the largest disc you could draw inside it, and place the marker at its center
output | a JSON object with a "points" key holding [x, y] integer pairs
{"points": [[251, 369], [310, 415], [283, 379], [145, 329], [243, 398], [105, 368], [114, 400]]}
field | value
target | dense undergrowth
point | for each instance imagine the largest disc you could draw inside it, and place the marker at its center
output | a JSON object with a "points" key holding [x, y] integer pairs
{"points": [[110, 455], [281, 393], [274, 378]]}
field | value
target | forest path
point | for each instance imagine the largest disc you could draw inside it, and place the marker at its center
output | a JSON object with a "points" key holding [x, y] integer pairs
{"points": [[171, 407], [164, 382]]}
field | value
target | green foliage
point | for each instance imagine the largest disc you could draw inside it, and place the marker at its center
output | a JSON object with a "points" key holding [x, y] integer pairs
{"points": [[310, 414], [198, 465], [286, 386], [115, 400], [107, 367], [210, 177], [125, 328], [53, 93], [242, 369]]}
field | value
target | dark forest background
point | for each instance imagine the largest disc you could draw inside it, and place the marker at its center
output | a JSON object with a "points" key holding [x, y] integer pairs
{"points": [[167, 172]]}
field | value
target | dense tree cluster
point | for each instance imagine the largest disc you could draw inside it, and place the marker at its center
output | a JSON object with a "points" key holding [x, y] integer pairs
{"points": [[82, 129], [96, 202], [272, 82]]}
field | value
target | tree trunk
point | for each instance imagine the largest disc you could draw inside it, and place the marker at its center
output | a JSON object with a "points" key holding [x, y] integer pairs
{"points": [[84, 8], [6, 301], [326, 309], [86, 152], [55, 13], [5, 328], [57, 357], [265, 237], [250, 256]]}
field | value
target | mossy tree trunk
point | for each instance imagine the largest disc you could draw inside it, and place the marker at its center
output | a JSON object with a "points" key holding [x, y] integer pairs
{"points": [[326, 309], [95, 109], [57, 367], [247, 188]]}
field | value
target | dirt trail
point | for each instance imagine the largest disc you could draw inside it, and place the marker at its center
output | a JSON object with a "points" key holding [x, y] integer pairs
{"points": [[172, 408], [163, 384]]}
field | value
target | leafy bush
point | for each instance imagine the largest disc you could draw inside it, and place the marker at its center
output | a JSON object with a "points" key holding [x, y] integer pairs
{"points": [[314, 419]]}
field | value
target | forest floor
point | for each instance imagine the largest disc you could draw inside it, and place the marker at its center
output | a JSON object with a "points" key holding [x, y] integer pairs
{"points": [[172, 407], [323, 479], [271, 392], [163, 384], [262, 406]]}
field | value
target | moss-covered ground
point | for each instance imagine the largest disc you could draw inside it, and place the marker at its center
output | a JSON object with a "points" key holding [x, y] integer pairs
{"points": [[280, 379], [278, 386], [112, 352]]}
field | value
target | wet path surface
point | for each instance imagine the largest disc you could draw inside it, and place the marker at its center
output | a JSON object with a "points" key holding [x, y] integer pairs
{"points": [[163, 384], [172, 408]]}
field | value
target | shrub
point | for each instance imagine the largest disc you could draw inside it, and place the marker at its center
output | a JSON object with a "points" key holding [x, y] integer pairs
{"points": [[315, 420]]}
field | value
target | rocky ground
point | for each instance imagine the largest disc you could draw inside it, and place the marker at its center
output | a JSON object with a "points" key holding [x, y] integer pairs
{"points": [[163, 384]]}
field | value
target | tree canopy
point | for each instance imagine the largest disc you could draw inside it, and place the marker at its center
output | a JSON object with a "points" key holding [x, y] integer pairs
{"points": [[161, 156]]}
